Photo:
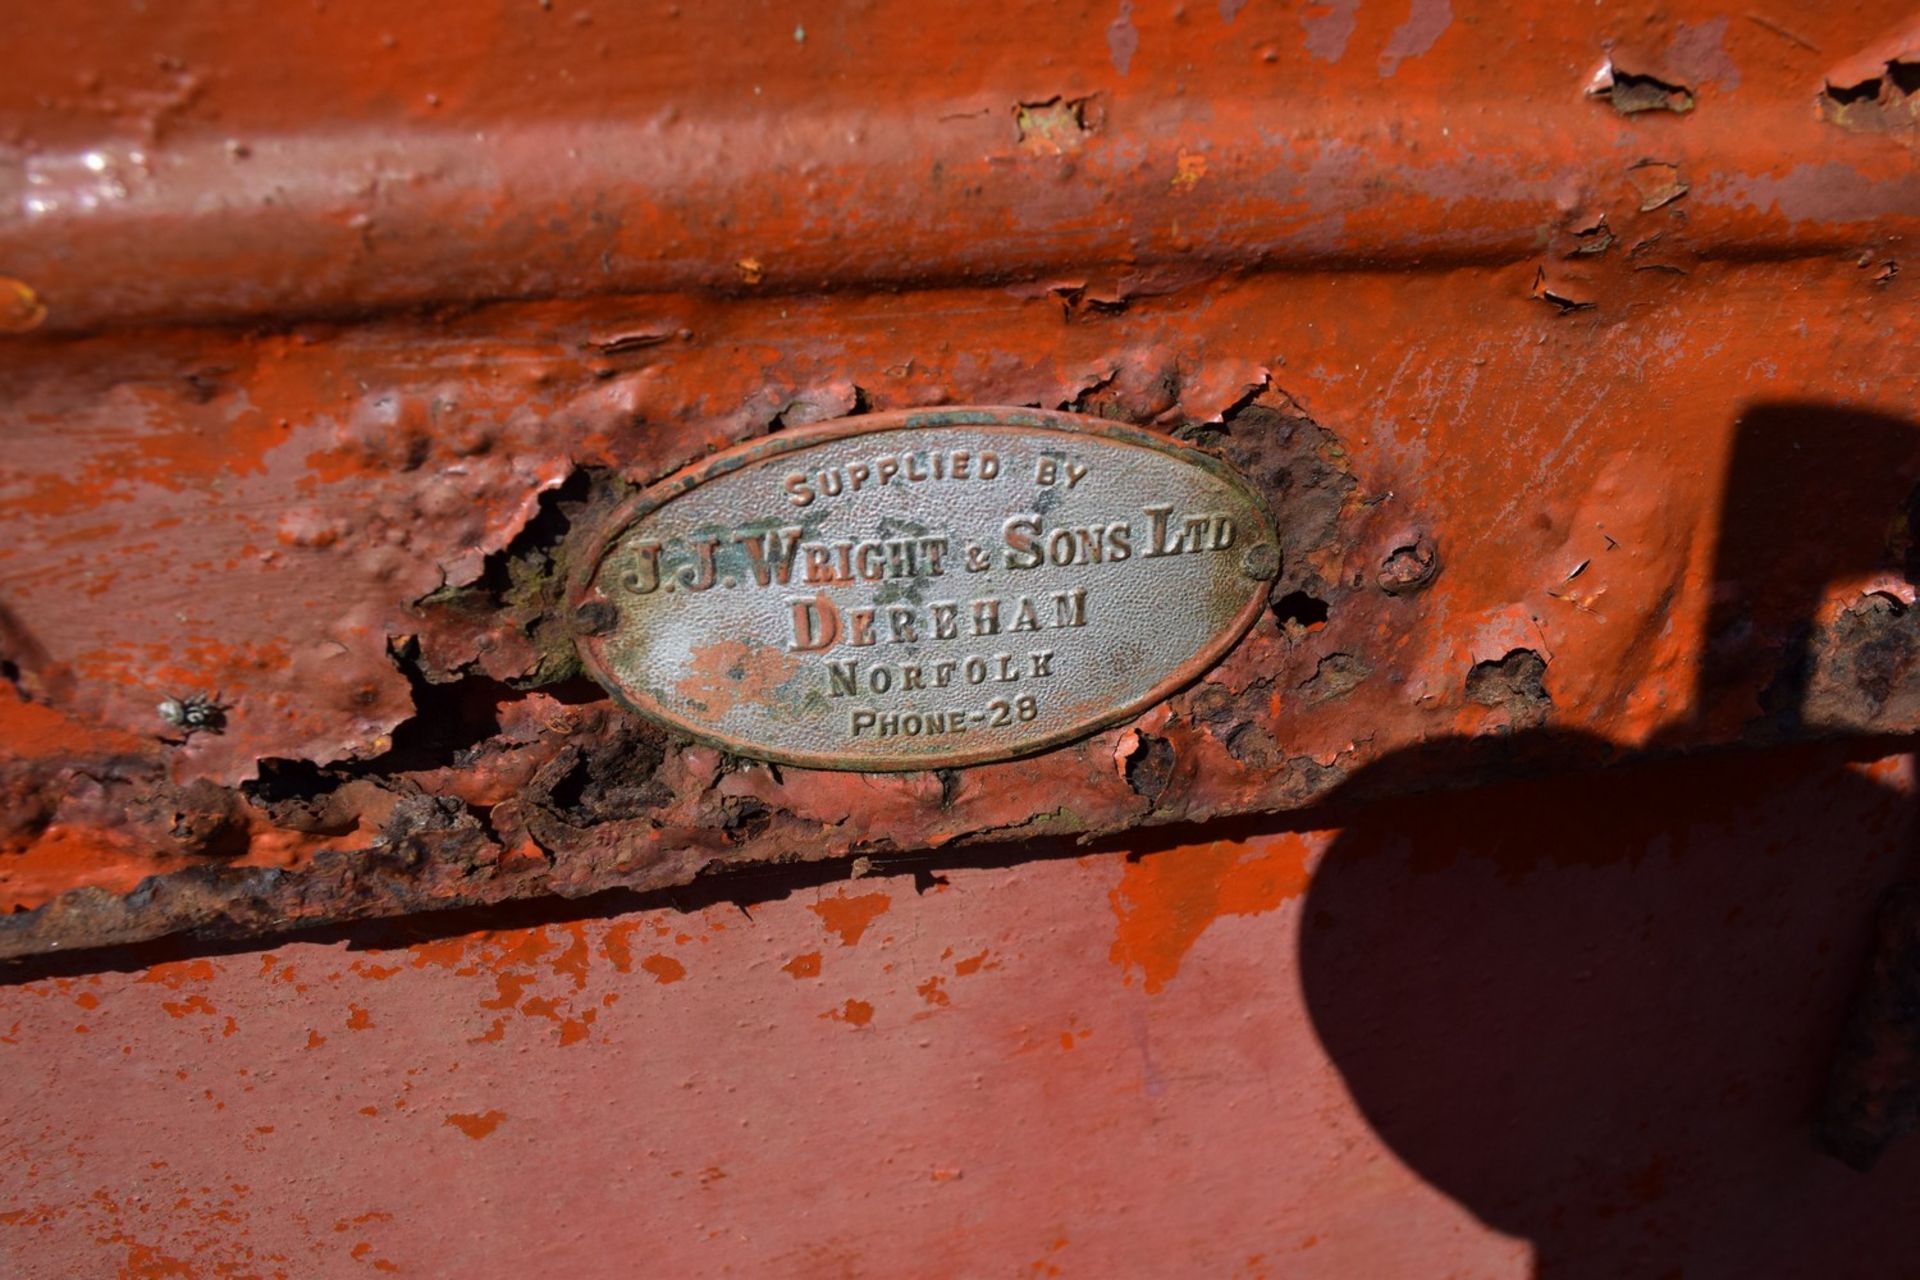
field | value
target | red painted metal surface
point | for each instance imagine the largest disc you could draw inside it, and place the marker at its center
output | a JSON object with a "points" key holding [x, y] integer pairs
{"points": [[1571, 346], [1569, 1029]]}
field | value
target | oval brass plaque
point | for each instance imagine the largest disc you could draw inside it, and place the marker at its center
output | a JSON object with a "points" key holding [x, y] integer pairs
{"points": [[919, 590]]}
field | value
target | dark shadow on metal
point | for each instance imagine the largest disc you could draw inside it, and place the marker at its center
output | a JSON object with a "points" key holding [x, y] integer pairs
{"points": [[1586, 1058]]}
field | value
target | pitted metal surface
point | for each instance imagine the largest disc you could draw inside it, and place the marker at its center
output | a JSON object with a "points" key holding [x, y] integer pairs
{"points": [[313, 420], [926, 589]]}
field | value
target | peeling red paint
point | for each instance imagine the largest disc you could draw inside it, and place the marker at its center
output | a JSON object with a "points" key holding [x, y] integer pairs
{"points": [[1715, 902], [1624, 636], [1593, 430]]}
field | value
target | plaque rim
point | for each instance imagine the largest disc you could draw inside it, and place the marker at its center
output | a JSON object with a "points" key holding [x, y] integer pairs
{"points": [[632, 510]]}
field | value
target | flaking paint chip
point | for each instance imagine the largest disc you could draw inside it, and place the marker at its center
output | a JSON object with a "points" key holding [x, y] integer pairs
{"points": [[1657, 183]]}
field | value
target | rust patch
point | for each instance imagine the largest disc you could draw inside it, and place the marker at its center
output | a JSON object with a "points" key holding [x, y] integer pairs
{"points": [[1888, 103], [1335, 676], [1862, 669], [1409, 568], [1149, 766]]}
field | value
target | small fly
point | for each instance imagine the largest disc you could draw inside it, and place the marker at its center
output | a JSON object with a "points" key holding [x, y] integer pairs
{"points": [[195, 713]]}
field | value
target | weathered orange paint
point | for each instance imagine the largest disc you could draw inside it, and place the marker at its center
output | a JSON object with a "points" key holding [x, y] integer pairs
{"points": [[855, 1013], [315, 324], [664, 968], [849, 916], [1165, 902], [475, 1126], [1664, 945], [1624, 643]]}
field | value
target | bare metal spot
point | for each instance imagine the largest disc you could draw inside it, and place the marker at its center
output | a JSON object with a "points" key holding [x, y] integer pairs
{"points": [[1631, 93], [1426, 22], [1328, 27], [1558, 294], [1515, 684], [1657, 183], [1885, 103], [1056, 125], [1123, 38], [1150, 768]]}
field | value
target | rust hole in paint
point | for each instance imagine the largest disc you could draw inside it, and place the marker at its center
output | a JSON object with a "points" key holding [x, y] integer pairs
{"points": [[1593, 239], [612, 780], [1150, 768], [1056, 125], [1631, 93], [744, 818], [1884, 103], [1515, 684], [1298, 612]]}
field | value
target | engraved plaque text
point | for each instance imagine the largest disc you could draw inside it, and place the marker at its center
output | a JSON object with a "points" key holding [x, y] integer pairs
{"points": [[922, 590]]}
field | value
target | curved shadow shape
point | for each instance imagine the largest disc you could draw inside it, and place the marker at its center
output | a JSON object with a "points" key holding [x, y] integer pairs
{"points": [[1599, 1009]]}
